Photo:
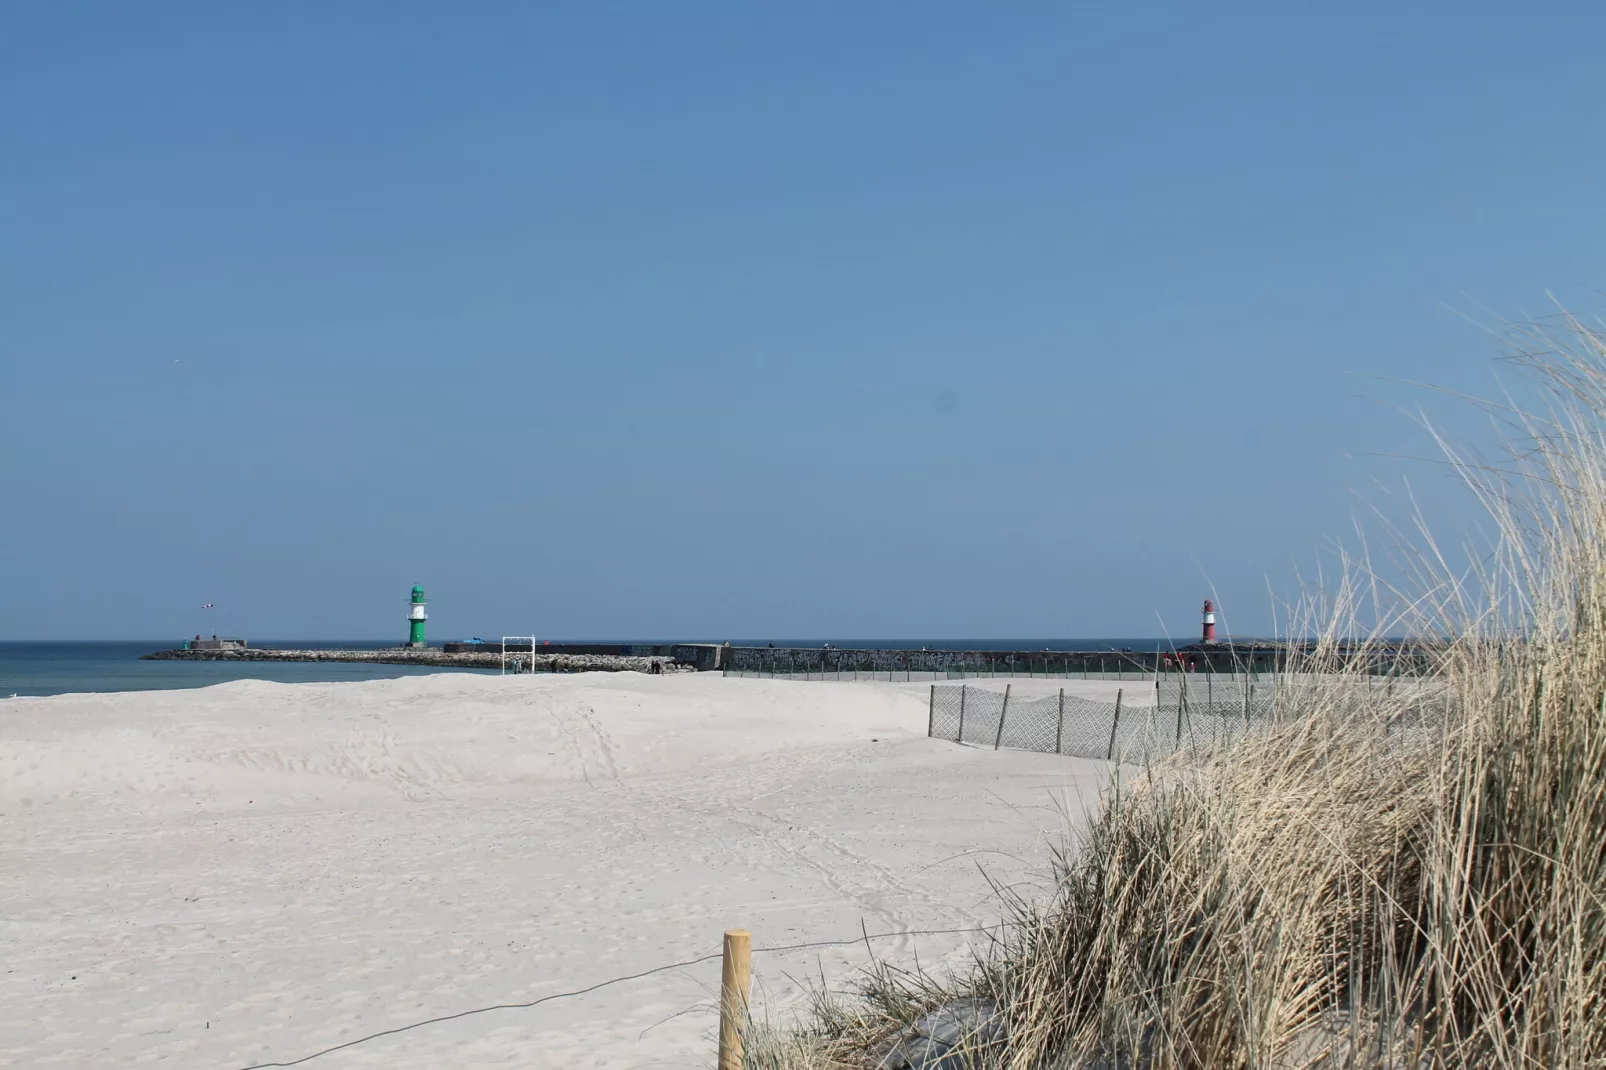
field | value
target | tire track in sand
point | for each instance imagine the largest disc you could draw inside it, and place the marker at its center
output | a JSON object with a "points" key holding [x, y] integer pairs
{"points": [[584, 737]]}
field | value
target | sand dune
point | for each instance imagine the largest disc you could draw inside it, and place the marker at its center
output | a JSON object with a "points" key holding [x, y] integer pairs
{"points": [[252, 872]]}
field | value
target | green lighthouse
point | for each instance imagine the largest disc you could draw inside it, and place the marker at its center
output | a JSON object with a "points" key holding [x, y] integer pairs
{"points": [[416, 618]]}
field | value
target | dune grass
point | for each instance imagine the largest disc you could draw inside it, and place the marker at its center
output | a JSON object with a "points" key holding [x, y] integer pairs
{"points": [[1387, 878]]}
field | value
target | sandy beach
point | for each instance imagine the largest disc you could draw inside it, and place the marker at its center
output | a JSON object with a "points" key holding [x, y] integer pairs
{"points": [[250, 873]]}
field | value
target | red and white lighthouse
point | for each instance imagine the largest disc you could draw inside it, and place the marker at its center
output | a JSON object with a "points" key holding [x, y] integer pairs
{"points": [[1209, 622]]}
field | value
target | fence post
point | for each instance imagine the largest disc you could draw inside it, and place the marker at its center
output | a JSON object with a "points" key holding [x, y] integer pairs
{"points": [[1182, 694], [735, 974], [999, 738], [961, 738], [1059, 729], [931, 714], [1110, 754]]}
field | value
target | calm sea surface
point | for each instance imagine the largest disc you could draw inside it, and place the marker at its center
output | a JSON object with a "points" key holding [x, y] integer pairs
{"points": [[57, 668], [52, 668]]}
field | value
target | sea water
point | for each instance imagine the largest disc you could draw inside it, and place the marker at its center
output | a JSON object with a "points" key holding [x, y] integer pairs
{"points": [[57, 668]]}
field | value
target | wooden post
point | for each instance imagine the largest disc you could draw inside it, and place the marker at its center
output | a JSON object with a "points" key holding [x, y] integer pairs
{"points": [[733, 984], [1110, 754], [1059, 729], [931, 713], [961, 738], [998, 740]]}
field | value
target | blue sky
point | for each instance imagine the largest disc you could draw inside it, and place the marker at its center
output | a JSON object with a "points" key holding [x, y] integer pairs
{"points": [[744, 320]]}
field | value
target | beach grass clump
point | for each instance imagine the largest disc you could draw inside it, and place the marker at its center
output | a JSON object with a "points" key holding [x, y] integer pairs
{"points": [[1402, 876]]}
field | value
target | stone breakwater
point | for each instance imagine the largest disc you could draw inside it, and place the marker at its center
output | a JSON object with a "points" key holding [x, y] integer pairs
{"points": [[490, 659]]}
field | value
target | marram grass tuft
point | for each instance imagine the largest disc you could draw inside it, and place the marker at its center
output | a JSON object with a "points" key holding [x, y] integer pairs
{"points": [[1410, 876]]}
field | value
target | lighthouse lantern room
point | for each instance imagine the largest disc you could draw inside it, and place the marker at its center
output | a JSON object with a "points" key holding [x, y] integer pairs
{"points": [[416, 616]]}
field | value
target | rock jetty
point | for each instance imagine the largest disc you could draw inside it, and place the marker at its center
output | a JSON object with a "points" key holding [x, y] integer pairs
{"points": [[488, 659]]}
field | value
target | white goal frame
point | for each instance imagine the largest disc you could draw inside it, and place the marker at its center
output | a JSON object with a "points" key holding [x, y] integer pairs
{"points": [[506, 639]]}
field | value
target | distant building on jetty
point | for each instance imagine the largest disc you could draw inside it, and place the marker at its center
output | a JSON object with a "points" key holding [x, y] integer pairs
{"points": [[214, 643]]}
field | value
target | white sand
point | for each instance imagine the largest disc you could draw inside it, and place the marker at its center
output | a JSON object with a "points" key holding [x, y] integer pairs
{"points": [[253, 872]]}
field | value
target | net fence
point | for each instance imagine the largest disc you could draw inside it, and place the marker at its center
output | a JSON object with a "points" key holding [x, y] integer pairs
{"points": [[1152, 721], [1144, 724]]}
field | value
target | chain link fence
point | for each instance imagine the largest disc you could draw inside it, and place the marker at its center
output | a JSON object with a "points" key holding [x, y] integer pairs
{"points": [[1145, 724], [1172, 713]]}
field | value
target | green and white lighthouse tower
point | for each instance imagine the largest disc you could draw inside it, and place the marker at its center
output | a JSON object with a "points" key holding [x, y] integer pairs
{"points": [[416, 616]]}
